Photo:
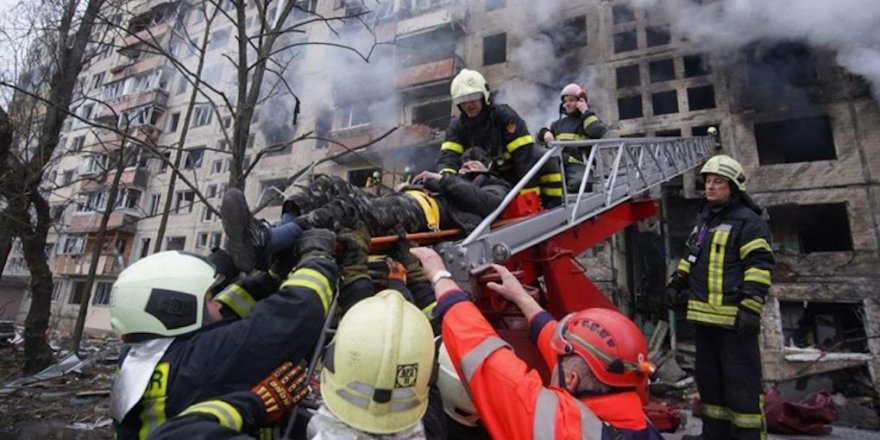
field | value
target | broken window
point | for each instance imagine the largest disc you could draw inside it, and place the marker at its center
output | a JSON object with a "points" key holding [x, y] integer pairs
{"points": [[668, 133], [661, 70], [194, 158], [665, 102], [628, 76], [657, 36], [426, 47], [790, 62], [494, 49], [795, 140], [625, 41], [696, 65], [622, 14], [434, 114], [360, 178], [810, 228], [629, 107], [175, 243], [272, 191], [834, 327], [78, 293], [571, 35], [701, 98], [703, 130]]}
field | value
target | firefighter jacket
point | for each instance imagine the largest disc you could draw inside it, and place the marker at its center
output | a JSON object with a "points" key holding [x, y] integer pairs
{"points": [[575, 127], [512, 401], [466, 200], [503, 134], [233, 355], [727, 265], [236, 416]]}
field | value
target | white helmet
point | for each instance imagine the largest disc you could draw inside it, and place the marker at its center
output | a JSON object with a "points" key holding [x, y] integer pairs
{"points": [[378, 368], [163, 294], [469, 85], [726, 166], [456, 401]]}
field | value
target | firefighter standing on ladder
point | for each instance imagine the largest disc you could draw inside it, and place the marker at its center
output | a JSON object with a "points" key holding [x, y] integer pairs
{"points": [[727, 270]]}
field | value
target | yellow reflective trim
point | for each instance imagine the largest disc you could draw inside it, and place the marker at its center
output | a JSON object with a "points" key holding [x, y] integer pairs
{"points": [[758, 243], [448, 170], [716, 412], [225, 413], [452, 146], [551, 178], [699, 311], [314, 280], [429, 208], [701, 306], [153, 402], [716, 266], [756, 275], [748, 421], [753, 305], [429, 310], [684, 266], [525, 191], [506, 156], [236, 298], [552, 192], [519, 142], [569, 137], [275, 275], [589, 121]]}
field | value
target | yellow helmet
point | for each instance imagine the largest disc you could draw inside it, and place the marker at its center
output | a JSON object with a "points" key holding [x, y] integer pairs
{"points": [[378, 368], [469, 85], [457, 402], [726, 166]]}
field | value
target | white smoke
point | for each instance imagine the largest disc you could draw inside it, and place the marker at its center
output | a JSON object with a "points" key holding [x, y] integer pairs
{"points": [[847, 27]]}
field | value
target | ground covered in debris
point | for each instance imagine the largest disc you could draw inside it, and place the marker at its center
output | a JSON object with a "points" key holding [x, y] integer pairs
{"points": [[69, 400]]}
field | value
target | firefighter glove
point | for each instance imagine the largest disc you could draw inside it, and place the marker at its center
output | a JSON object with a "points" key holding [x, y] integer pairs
{"points": [[414, 273], [748, 316], [354, 258], [396, 271], [672, 297], [281, 390], [316, 243]]}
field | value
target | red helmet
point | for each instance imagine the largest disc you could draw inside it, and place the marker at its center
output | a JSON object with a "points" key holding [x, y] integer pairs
{"points": [[609, 342], [573, 90]]}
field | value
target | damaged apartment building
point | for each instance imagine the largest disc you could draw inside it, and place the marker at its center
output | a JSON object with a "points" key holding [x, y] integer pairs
{"points": [[806, 131]]}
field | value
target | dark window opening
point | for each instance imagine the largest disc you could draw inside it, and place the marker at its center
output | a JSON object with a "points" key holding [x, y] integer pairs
{"points": [[665, 102], [696, 65], [435, 114], [662, 70], [175, 243], [571, 35], [622, 14], [790, 61], [629, 108], [78, 294], [633, 135], [795, 140], [668, 133], [701, 98], [703, 130], [625, 42], [360, 178], [322, 128], [657, 36], [628, 76], [834, 327], [810, 228], [494, 49], [425, 48]]}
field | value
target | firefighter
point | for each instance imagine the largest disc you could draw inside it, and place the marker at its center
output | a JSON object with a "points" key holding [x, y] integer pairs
{"points": [[598, 360], [577, 122], [727, 272], [500, 131], [180, 351]]}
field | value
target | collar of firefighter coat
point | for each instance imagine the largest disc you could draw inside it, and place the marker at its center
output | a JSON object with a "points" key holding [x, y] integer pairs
{"points": [[134, 374]]}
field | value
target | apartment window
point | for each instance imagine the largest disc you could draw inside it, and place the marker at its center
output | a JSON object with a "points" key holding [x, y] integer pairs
{"points": [[73, 245], [154, 204], [201, 115], [217, 166], [77, 143], [128, 198], [207, 214], [222, 145], [492, 5], [571, 35], [182, 85], [273, 191], [657, 36], [625, 41], [175, 243], [622, 14], [790, 62], [665, 102], [218, 39], [661, 70], [145, 247], [216, 238], [304, 9], [211, 191], [494, 49], [435, 114], [629, 107], [85, 112], [227, 122], [353, 114], [97, 80], [57, 211], [245, 163], [172, 123], [359, 178], [628, 76], [185, 201], [67, 177], [811, 228], [194, 158], [78, 293], [836, 327], [201, 240], [701, 98], [102, 294], [676, 132], [322, 127], [57, 288], [703, 130], [93, 201], [696, 65], [250, 141], [795, 140]]}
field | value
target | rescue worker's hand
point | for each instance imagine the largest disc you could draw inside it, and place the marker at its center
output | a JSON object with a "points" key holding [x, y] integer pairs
{"points": [[510, 288], [548, 137], [582, 105], [748, 317], [672, 297], [472, 166], [316, 243], [281, 390], [431, 261], [425, 176]]}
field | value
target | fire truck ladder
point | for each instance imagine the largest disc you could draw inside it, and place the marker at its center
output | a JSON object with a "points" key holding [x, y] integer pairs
{"points": [[617, 170]]}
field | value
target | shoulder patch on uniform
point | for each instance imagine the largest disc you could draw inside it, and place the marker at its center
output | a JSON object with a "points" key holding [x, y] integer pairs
{"points": [[511, 128]]}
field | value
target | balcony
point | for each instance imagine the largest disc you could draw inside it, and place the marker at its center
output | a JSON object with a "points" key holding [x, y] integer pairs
{"points": [[109, 264], [126, 68], [404, 139], [156, 97], [132, 177], [451, 14], [428, 74], [152, 35], [121, 220]]}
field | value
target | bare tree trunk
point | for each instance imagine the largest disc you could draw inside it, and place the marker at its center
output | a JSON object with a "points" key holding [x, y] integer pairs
{"points": [[38, 355], [6, 239], [96, 253]]}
